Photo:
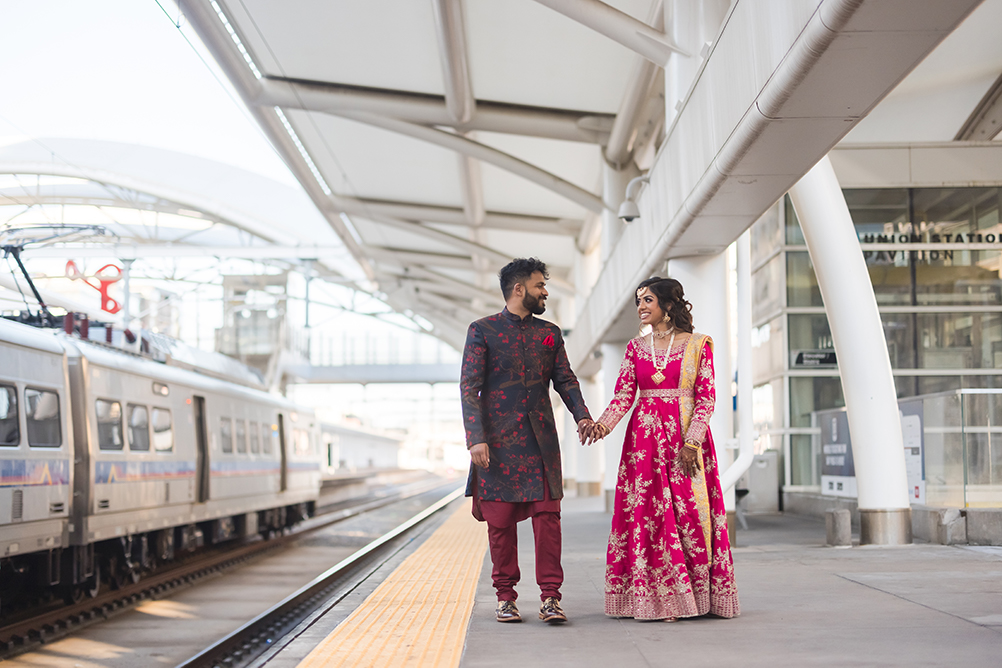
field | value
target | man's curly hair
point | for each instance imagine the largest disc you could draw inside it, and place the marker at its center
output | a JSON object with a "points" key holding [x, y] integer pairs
{"points": [[519, 270]]}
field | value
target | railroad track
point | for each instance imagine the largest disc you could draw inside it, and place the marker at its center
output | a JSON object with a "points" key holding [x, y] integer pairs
{"points": [[25, 634], [251, 640]]}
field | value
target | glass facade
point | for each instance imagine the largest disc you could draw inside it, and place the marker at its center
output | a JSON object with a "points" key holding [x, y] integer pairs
{"points": [[934, 257]]}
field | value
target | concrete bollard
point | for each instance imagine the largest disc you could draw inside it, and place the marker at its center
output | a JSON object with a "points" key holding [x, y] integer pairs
{"points": [[838, 527]]}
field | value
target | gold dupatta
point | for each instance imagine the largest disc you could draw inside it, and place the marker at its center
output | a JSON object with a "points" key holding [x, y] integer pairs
{"points": [[691, 358]]}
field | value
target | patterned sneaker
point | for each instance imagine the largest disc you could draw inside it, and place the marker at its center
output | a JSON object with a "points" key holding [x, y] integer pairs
{"points": [[550, 611], [507, 611]]}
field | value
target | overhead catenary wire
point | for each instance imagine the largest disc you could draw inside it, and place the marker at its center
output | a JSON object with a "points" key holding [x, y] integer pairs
{"points": [[226, 89], [17, 283]]}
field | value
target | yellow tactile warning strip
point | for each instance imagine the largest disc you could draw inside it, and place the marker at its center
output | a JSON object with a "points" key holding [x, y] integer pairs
{"points": [[419, 614]]}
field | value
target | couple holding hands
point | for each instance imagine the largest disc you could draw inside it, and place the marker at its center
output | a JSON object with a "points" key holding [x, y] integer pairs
{"points": [[668, 554]]}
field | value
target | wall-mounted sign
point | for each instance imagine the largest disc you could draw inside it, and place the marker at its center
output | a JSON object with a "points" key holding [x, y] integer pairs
{"points": [[814, 358], [838, 471], [911, 431], [945, 244], [929, 238]]}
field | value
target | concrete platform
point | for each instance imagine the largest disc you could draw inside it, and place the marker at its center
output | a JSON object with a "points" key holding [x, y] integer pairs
{"points": [[802, 605]]}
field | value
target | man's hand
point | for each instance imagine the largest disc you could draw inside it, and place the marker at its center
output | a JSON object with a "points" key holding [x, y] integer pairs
{"points": [[596, 432], [586, 430], [480, 455]]}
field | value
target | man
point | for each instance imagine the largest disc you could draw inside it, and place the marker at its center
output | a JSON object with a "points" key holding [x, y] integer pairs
{"points": [[509, 360]]}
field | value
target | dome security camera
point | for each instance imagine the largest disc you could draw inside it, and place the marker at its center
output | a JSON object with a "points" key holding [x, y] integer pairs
{"points": [[628, 210]]}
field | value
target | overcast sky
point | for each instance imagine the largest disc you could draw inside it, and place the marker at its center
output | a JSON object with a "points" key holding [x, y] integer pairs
{"points": [[120, 70]]}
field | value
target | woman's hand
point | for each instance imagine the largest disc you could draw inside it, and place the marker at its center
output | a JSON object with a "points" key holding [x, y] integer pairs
{"points": [[688, 461], [597, 432]]}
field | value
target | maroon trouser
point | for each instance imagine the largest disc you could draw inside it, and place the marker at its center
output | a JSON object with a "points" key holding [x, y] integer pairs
{"points": [[502, 533]]}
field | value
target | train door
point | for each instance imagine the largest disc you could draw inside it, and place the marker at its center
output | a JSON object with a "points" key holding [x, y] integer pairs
{"points": [[284, 477], [202, 444]]}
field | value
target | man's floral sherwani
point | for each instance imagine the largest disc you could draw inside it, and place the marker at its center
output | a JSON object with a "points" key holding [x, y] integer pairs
{"points": [[508, 365]]}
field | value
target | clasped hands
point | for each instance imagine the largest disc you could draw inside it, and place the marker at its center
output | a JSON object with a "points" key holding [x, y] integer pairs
{"points": [[589, 431]]}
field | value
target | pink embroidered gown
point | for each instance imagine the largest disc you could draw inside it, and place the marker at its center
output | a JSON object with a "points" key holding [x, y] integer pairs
{"points": [[669, 554]]}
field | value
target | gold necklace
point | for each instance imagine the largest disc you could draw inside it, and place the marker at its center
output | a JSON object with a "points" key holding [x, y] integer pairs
{"points": [[658, 376]]}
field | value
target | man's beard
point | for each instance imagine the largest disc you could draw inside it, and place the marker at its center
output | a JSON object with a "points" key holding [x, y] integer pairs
{"points": [[533, 304]]}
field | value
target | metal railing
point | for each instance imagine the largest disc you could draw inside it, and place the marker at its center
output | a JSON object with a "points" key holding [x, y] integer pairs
{"points": [[956, 442], [962, 448]]}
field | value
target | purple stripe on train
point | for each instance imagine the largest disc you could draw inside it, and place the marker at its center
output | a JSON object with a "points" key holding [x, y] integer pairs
{"points": [[106, 472], [34, 472]]}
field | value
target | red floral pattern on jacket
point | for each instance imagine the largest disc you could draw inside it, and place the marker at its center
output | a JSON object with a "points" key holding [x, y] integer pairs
{"points": [[505, 387]]}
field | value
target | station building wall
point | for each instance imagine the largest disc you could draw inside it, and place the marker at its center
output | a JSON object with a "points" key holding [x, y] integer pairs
{"points": [[935, 261]]}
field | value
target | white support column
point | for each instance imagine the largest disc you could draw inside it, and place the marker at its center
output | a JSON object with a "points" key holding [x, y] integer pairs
{"points": [[590, 457], [746, 437], [126, 293], [612, 358], [863, 363], [614, 182], [705, 281]]}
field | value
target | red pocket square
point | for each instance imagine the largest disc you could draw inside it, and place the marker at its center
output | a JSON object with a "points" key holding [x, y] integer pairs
{"points": [[548, 341]]}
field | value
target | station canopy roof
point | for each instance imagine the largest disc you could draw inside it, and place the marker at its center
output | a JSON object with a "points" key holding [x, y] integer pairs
{"points": [[437, 139]]}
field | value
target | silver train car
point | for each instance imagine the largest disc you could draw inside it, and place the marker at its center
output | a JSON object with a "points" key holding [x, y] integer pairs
{"points": [[111, 463]]}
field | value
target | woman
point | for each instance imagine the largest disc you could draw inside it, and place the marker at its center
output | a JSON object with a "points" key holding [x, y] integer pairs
{"points": [[669, 555]]}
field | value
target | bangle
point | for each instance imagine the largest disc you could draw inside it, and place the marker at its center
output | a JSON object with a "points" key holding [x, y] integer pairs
{"points": [[604, 428], [694, 446]]}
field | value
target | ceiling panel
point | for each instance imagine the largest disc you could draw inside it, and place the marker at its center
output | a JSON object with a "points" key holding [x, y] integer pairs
{"points": [[384, 235], [572, 161], [525, 53], [558, 249], [504, 191], [378, 43], [363, 161], [934, 100]]}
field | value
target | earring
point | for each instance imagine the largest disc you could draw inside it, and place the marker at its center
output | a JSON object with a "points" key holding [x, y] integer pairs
{"points": [[666, 318]]}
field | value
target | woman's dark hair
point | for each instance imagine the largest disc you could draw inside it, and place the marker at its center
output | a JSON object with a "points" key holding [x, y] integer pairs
{"points": [[671, 299], [518, 271]]}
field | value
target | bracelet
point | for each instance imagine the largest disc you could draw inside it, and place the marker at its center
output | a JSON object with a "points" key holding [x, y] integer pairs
{"points": [[690, 444], [606, 429]]}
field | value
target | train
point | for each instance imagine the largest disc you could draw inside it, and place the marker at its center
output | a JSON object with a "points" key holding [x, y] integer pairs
{"points": [[112, 463]]}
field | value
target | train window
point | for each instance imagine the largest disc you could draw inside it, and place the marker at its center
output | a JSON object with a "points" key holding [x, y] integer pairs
{"points": [[163, 433], [10, 431], [255, 437], [109, 425], [139, 428], [226, 434], [302, 445], [41, 408], [241, 436]]}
